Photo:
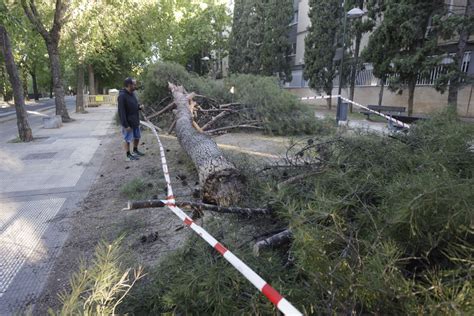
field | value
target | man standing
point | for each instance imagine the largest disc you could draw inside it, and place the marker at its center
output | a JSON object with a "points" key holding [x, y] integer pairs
{"points": [[128, 110]]}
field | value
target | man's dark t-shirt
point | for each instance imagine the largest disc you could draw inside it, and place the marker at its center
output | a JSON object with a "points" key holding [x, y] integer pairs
{"points": [[128, 109]]}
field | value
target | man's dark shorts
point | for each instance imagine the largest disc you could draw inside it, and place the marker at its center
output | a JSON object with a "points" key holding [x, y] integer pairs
{"points": [[129, 136]]}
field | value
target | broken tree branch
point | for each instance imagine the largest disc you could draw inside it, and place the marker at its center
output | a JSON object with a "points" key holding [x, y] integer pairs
{"points": [[234, 127], [170, 106], [272, 241], [214, 119], [134, 205], [170, 130]]}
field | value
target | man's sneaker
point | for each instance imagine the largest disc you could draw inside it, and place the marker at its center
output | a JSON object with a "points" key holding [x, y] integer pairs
{"points": [[138, 153], [131, 158]]}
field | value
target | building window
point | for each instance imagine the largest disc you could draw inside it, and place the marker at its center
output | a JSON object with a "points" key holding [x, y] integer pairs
{"points": [[295, 18], [293, 49]]}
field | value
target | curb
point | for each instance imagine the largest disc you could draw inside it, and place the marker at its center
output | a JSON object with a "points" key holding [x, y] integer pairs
{"points": [[5, 117]]}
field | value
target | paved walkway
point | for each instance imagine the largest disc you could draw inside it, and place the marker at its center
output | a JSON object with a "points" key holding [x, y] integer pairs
{"points": [[357, 124], [41, 182]]}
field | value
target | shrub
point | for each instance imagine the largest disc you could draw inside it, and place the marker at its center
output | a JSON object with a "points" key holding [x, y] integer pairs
{"points": [[100, 288], [385, 228]]}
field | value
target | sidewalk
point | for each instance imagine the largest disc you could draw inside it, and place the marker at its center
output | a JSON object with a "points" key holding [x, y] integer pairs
{"points": [[42, 182], [356, 124]]}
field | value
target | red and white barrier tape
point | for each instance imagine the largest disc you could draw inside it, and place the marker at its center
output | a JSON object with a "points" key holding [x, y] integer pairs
{"points": [[405, 125], [279, 301], [318, 98]]}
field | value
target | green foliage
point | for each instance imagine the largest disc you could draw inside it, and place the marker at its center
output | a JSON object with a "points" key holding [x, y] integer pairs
{"points": [[99, 289], [404, 43], [319, 67], [279, 110], [259, 41], [386, 228]]}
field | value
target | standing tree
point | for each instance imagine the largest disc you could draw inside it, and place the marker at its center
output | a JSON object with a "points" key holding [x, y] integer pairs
{"points": [[320, 44], [24, 130], [238, 37], [51, 39], [461, 26], [259, 41], [276, 47], [358, 28], [409, 42]]}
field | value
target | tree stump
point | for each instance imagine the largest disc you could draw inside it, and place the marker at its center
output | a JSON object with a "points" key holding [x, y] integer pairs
{"points": [[220, 180]]}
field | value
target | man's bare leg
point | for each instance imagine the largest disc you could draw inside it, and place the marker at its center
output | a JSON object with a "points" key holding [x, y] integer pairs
{"points": [[135, 143], [126, 146]]}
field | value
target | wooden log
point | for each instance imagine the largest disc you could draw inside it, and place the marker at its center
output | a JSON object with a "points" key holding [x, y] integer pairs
{"points": [[220, 180], [135, 205], [272, 241]]}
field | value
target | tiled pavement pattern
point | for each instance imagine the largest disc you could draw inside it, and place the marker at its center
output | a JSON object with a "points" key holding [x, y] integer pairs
{"points": [[41, 182]]}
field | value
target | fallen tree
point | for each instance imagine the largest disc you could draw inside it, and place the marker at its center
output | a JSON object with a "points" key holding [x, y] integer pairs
{"points": [[220, 181], [255, 104]]}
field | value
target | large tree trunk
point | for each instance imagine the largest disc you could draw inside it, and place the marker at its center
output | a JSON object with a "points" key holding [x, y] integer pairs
{"points": [[80, 89], [90, 71], [35, 83], [411, 95], [24, 130], [458, 58], [59, 96], [220, 181]]}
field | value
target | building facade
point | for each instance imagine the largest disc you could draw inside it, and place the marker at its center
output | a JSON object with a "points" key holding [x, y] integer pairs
{"points": [[427, 99]]}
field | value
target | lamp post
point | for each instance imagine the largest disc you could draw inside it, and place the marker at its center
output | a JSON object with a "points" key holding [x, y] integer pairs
{"points": [[352, 14]]}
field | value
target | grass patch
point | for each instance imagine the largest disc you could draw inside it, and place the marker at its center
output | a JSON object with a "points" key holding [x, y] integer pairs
{"points": [[138, 189]]}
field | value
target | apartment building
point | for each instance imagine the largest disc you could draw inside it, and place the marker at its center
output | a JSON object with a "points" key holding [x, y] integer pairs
{"points": [[427, 99]]}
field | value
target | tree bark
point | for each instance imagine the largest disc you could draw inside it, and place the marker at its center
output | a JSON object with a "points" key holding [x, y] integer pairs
{"points": [[411, 95], [277, 240], [59, 95], [90, 71], [35, 83], [464, 34], [220, 181], [382, 87], [354, 68], [329, 100], [80, 89], [24, 73], [24, 130], [51, 88]]}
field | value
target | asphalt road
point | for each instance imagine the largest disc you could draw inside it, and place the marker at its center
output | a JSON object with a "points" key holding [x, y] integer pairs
{"points": [[9, 129]]}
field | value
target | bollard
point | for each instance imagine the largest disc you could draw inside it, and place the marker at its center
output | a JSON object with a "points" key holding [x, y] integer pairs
{"points": [[342, 110]]}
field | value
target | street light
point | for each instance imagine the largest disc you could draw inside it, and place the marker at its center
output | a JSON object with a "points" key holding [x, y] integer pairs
{"points": [[352, 14]]}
